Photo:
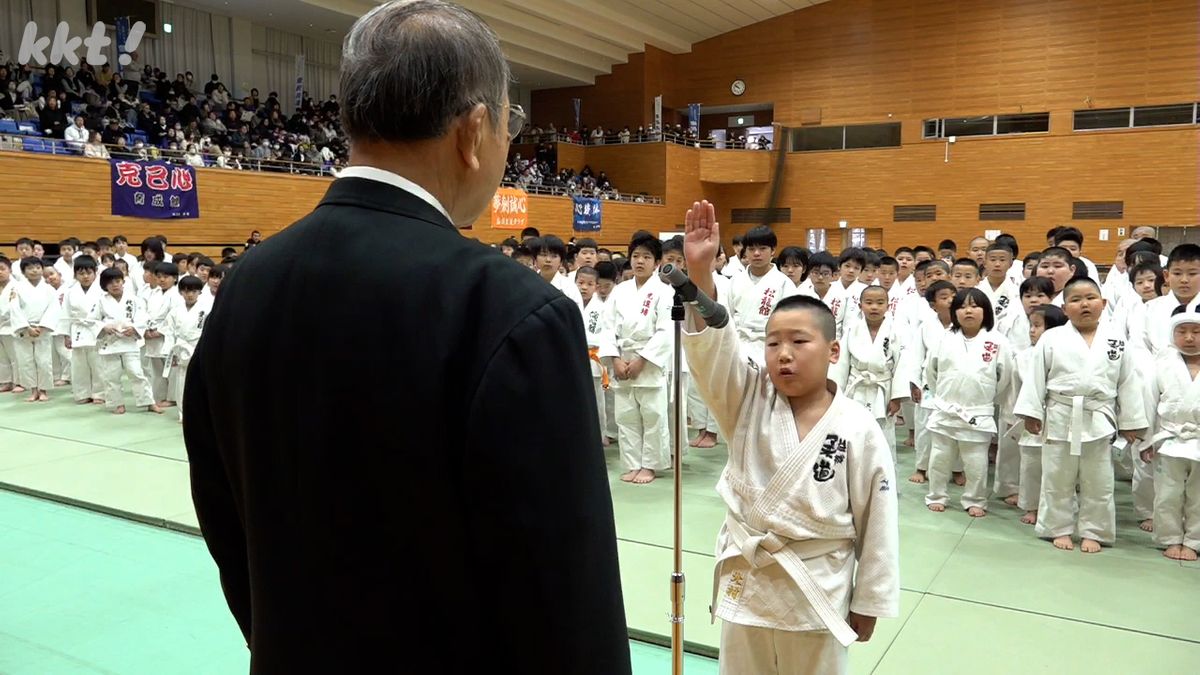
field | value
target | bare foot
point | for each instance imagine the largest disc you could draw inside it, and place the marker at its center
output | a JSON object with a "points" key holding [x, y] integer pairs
{"points": [[32, 399], [119, 410], [1147, 524], [1064, 542], [18, 389], [4, 389], [694, 441], [84, 401], [42, 397], [1029, 518], [1174, 552], [976, 512], [707, 439], [917, 477], [1089, 546], [166, 404], [960, 479], [628, 476], [604, 442], [644, 476], [98, 401], [154, 409], [1186, 553], [936, 508], [61, 383], [1011, 500], [909, 442]]}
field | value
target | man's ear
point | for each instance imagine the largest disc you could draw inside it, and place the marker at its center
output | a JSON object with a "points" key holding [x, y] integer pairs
{"points": [[469, 130], [835, 351]]}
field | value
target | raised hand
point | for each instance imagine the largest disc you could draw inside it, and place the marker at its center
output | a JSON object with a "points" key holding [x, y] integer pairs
{"points": [[701, 238]]}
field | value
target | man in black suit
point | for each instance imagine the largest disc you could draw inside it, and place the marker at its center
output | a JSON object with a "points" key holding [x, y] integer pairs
{"points": [[391, 428]]}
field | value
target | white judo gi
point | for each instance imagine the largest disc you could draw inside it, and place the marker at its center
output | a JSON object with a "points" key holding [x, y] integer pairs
{"points": [[35, 306], [87, 373], [9, 369], [928, 334], [121, 355], [639, 324], [750, 301], [811, 529], [866, 371], [967, 376], [594, 325], [1177, 434], [161, 305], [186, 325], [1083, 395]]}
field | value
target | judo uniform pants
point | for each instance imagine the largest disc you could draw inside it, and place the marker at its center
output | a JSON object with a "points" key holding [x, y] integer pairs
{"points": [[8, 360], [597, 387], [1177, 502], [1091, 515], [35, 361], [1143, 486], [62, 358], [702, 419], [642, 428], [158, 383], [87, 374], [1008, 466], [1030, 490], [130, 364], [921, 438], [750, 650], [609, 423], [942, 457]]}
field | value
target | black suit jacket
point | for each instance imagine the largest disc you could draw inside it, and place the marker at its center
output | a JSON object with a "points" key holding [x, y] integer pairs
{"points": [[394, 453]]}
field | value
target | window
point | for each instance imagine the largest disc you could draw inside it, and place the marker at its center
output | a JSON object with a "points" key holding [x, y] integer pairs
{"points": [[1004, 211], [855, 137], [914, 213], [1164, 115], [1098, 211], [987, 125], [1141, 116]]}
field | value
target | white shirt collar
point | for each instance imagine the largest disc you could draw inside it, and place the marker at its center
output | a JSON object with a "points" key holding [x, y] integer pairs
{"points": [[382, 176]]}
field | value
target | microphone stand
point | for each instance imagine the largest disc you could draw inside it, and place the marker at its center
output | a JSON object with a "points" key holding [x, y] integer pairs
{"points": [[677, 579]]}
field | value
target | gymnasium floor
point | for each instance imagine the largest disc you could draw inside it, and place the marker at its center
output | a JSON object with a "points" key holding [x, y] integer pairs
{"points": [[84, 592]]}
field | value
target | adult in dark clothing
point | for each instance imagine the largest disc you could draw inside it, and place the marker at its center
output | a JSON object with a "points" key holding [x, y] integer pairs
{"points": [[355, 531], [53, 119]]}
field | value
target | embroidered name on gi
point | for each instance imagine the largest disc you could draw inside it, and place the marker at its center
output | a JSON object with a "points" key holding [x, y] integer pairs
{"points": [[990, 350], [1115, 349], [768, 298], [833, 451]]}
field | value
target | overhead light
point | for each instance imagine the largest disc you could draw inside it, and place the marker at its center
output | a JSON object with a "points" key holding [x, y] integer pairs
{"points": [[166, 28]]}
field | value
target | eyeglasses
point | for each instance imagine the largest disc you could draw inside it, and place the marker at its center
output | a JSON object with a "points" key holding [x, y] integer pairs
{"points": [[516, 121]]}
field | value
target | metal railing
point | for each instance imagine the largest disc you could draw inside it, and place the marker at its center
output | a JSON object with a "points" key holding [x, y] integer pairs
{"points": [[635, 138], [556, 191]]}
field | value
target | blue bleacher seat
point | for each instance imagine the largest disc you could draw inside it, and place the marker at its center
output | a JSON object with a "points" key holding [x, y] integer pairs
{"points": [[148, 96], [29, 128], [32, 145], [9, 127]]}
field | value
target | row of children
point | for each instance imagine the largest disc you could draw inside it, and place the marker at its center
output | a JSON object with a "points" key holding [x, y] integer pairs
{"points": [[1032, 365], [101, 324]]}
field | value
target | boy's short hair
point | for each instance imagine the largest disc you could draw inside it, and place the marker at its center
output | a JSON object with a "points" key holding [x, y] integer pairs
{"points": [[5, 262], [1034, 285], [167, 269], [940, 264], [204, 261], [647, 241], [105, 241], [1076, 281], [1052, 233], [868, 289], [1140, 257], [228, 251], [980, 299], [1068, 234], [109, 275], [218, 271], [66, 242], [871, 258], [1159, 278], [548, 244], [948, 244], [522, 251], [852, 254], [922, 266], [939, 285], [30, 261], [1058, 252], [737, 240], [191, 282], [110, 259], [968, 262], [120, 239], [84, 262], [1183, 253], [1032, 257], [822, 259], [604, 251], [903, 249], [511, 243], [1052, 316], [606, 269], [587, 270], [888, 261], [921, 249], [1009, 241], [1147, 244], [673, 244], [24, 241], [819, 309], [586, 242], [997, 246], [760, 235], [793, 254], [530, 232], [149, 267]]}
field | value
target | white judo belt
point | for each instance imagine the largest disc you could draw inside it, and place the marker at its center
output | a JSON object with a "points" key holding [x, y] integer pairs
{"points": [[1183, 431], [763, 549], [866, 378], [1078, 405], [964, 413]]}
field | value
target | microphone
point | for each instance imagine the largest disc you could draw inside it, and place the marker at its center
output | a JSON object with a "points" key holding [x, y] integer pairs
{"points": [[714, 315]]}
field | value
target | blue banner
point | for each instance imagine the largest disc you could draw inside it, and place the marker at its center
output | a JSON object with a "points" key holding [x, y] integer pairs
{"points": [[577, 104], [694, 117], [154, 190], [122, 23], [587, 214]]}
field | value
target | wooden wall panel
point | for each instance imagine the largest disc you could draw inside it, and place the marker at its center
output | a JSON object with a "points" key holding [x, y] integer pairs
{"points": [[735, 166], [614, 101], [633, 168]]}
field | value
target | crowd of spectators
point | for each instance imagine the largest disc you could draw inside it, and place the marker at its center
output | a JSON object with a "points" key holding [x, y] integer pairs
{"points": [[100, 113], [677, 133]]}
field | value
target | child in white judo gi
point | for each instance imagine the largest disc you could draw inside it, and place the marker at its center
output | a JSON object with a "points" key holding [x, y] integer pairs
{"points": [[638, 344], [9, 370], [1029, 488], [1175, 388], [928, 331], [186, 325], [807, 558], [968, 372], [593, 327], [755, 292], [33, 317], [122, 319], [1081, 392], [87, 379]]}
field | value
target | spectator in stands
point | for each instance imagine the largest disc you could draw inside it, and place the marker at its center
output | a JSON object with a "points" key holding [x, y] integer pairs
{"points": [[121, 149], [211, 126], [95, 147], [192, 157], [70, 85], [105, 76], [212, 85], [77, 135], [53, 118], [219, 96], [112, 131], [598, 136], [14, 104], [189, 81], [625, 135]]}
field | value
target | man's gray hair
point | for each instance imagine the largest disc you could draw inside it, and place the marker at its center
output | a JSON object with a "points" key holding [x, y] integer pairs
{"points": [[409, 67]]}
